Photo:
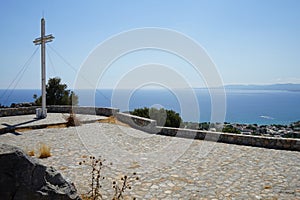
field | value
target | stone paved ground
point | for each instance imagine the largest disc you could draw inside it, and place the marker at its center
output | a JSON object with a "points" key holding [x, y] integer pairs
{"points": [[52, 118], [169, 168]]}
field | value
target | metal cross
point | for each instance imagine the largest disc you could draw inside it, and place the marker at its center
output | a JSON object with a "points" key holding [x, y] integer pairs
{"points": [[42, 41]]}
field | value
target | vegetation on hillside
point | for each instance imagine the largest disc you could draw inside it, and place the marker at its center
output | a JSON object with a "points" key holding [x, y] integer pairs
{"points": [[230, 129]]}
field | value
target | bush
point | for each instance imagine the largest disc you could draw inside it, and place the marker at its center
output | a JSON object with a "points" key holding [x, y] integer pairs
{"points": [[230, 129], [168, 118]]}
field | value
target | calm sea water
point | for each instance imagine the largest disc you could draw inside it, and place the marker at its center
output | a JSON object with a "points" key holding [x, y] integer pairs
{"points": [[242, 106]]}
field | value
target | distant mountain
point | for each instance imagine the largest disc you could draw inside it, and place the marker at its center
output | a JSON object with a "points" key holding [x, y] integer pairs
{"points": [[286, 86]]}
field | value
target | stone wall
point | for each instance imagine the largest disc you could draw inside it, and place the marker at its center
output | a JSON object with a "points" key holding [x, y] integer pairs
{"points": [[4, 112], [248, 140], [144, 124], [150, 126], [83, 110]]}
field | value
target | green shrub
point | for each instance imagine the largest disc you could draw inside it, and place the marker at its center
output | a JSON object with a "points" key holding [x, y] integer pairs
{"points": [[230, 129], [168, 118]]}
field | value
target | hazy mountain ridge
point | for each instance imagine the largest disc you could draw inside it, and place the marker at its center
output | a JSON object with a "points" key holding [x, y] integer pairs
{"points": [[285, 86]]}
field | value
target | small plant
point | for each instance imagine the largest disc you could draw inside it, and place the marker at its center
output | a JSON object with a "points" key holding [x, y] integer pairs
{"points": [[96, 178], [44, 151], [126, 183], [30, 152], [72, 120]]}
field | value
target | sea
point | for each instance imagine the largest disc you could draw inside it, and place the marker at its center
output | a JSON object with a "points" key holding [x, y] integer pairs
{"points": [[241, 106]]}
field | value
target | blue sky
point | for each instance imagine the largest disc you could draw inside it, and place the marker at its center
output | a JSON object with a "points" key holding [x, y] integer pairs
{"points": [[251, 42]]}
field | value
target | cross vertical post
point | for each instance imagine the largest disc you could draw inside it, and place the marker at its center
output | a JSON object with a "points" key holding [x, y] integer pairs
{"points": [[42, 113]]}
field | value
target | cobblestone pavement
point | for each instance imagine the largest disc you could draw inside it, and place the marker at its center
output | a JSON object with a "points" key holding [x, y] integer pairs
{"points": [[52, 118], [168, 167]]}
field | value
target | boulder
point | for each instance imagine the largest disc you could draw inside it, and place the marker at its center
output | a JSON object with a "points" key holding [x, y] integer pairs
{"points": [[22, 177]]}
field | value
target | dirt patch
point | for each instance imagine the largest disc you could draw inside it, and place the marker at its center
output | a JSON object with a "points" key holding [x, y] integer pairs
{"points": [[112, 120], [57, 126], [22, 129]]}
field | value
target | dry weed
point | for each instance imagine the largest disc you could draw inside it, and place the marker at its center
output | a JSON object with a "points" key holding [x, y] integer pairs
{"points": [[44, 151], [72, 120], [30, 152], [119, 187]]}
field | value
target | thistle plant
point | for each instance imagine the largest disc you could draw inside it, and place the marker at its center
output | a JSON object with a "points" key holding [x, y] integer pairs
{"points": [[119, 186], [126, 183], [96, 177]]}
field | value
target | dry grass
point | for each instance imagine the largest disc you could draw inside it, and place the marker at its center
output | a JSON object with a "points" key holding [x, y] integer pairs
{"points": [[63, 125], [44, 151], [23, 129], [112, 120], [72, 120], [30, 152]]}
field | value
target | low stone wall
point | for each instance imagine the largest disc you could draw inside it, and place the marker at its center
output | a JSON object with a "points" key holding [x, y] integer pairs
{"points": [[150, 126], [83, 110], [144, 124], [4, 112], [248, 140]]}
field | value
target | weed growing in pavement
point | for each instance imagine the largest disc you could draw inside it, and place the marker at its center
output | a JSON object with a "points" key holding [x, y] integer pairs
{"points": [[95, 192], [72, 120], [126, 183], [30, 152], [44, 151]]}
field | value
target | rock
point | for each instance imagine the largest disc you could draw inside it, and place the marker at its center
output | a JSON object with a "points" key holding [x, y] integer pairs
{"points": [[22, 177]]}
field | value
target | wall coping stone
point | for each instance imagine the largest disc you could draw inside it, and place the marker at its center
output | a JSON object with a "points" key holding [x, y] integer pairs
{"points": [[5, 112]]}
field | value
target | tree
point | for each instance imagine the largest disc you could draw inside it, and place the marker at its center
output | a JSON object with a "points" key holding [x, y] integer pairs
{"points": [[173, 119], [168, 118], [141, 112], [57, 94]]}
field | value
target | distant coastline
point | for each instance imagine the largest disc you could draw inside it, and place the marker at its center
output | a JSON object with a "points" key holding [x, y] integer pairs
{"points": [[286, 87]]}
